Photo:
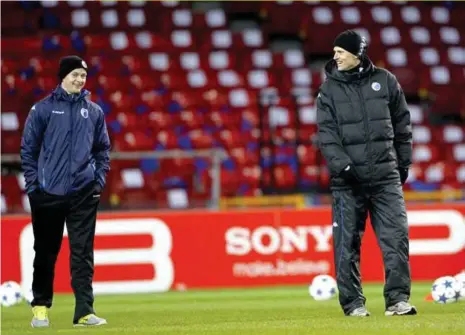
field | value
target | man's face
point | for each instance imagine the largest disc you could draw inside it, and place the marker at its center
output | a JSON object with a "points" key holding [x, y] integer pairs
{"points": [[75, 81], [344, 59]]}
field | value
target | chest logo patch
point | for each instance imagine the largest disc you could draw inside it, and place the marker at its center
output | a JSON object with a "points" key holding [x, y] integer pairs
{"points": [[84, 113], [376, 86]]}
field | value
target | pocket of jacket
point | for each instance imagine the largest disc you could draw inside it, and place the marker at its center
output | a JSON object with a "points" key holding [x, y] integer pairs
{"points": [[97, 188], [44, 169]]}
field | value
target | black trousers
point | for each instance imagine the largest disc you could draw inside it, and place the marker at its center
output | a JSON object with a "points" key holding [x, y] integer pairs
{"points": [[386, 206], [49, 213]]}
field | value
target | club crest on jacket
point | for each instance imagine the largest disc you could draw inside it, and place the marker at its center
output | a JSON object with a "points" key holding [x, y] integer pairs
{"points": [[84, 113]]}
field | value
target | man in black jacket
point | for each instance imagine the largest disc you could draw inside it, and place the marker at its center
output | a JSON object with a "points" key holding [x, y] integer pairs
{"points": [[365, 135]]}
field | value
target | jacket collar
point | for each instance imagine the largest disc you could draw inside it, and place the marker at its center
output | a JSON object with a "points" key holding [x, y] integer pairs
{"points": [[351, 76], [60, 94]]}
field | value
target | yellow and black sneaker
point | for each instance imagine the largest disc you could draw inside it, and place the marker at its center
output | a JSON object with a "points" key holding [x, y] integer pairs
{"points": [[90, 320], [40, 318]]}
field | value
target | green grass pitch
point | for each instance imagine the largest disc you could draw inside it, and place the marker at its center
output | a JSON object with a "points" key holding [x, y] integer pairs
{"points": [[270, 310]]}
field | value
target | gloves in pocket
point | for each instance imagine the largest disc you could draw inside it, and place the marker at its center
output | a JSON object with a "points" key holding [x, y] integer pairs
{"points": [[403, 175], [349, 175]]}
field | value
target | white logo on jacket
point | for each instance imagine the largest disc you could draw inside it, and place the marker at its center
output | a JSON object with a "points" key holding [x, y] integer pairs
{"points": [[84, 113], [376, 86], [58, 112]]}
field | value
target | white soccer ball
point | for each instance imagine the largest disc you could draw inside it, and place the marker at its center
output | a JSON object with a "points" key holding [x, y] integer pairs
{"points": [[323, 287], [27, 295], [460, 278], [10, 293], [445, 290]]}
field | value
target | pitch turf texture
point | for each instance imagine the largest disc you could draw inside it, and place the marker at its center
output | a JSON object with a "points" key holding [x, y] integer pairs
{"points": [[271, 310]]}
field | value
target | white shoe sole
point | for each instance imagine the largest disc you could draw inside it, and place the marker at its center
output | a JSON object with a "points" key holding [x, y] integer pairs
{"points": [[360, 315], [47, 326], [104, 322], [411, 311]]}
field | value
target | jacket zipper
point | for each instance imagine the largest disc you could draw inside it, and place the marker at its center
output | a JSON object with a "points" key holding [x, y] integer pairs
{"points": [[367, 134], [71, 148]]}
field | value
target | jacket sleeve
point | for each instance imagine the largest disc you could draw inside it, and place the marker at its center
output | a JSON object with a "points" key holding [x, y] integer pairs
{"points": [[31, 143], [101, 150], [400, 118], [329, 140]]}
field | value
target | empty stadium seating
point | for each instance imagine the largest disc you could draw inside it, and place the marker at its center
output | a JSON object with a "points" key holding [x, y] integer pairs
{"points": [[168, 76]]}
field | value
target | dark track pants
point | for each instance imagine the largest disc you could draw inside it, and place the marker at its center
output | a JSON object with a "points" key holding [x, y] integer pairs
{"points": [[386, 206], [49, 213]]}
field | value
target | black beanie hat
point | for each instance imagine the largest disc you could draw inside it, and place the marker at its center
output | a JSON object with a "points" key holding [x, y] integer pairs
{"points": [[70, 63], [351, 41]]}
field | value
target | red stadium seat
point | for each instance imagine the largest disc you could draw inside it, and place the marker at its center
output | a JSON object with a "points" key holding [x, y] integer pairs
{"points": [[170, 76]]}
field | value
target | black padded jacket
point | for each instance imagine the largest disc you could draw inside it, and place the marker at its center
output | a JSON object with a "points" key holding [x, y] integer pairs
{"points": [[363, 120]]}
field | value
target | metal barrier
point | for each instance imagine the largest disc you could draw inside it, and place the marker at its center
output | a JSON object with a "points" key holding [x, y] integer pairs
{"points": [[216, 156]]}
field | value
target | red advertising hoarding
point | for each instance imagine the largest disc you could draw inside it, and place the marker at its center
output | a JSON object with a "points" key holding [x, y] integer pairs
{"points": [[153, 251]]}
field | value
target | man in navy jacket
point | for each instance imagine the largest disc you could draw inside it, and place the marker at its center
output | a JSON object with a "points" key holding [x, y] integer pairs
{"points": [[65, 157]]}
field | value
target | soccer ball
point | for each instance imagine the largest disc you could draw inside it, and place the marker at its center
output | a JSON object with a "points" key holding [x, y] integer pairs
{"points": [[445, 290], [460, 278], [28, 296], [323, 287], [10, 293]]}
